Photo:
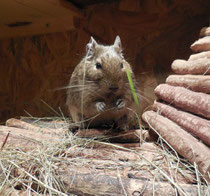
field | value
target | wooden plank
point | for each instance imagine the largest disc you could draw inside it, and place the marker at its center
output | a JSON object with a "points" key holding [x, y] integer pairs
{"points": [[47, 25], [42, 17], [12, 11]]}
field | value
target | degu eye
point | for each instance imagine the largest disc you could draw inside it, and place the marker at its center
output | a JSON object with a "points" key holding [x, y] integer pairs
{"points": [[98, 66], [121, 65]]}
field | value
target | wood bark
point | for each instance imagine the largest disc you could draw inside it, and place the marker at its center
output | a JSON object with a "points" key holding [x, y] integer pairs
{"points": [[50, 124], [203, 44], [112, 154], [83, 183], [205, 55], [80, 181], [199, 66], [205, 31], [197, 103], [102, 145], [15, 140], [197, 83], [184, 143], [195, 125], [14, 192], [96, 183], [25, 139], [12, 122], [28, 133], [116, 136], [28, 140]]}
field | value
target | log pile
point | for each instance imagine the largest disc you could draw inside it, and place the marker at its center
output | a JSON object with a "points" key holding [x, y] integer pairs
{"points": [[43, 160], [181, 115]]}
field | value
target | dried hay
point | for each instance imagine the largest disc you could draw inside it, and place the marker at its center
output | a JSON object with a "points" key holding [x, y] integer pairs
{"points": [[58, 167]]}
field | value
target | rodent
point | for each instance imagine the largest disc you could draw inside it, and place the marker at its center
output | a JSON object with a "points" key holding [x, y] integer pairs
{"points": [[99, 92]]}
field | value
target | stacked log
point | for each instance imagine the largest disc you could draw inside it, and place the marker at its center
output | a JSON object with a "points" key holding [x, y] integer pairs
{"points": [[181, 114], [102, 168]]}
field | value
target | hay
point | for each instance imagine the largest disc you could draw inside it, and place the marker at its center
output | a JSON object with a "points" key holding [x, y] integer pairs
{"points": [[58, 167]]}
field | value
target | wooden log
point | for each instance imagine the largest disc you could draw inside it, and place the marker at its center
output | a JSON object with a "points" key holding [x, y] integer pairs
{"points": [[112, 154], [51, 124], [15, 192], [106, 145], [24, 125], [197, 103], [86, 181], [203, 44], [184, 143], [197, 83], [205, 31], [101, 184], [24, 134], [15, 140], [199, 56], [146, 146], [193, 124], [116, 136], [199, 66]]}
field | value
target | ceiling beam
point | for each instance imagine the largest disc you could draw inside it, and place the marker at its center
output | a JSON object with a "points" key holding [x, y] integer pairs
{"points": [[32, 17]]}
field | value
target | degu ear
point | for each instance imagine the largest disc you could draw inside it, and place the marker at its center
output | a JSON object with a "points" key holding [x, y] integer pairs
{"points": [[118, 45], [91, 48]]}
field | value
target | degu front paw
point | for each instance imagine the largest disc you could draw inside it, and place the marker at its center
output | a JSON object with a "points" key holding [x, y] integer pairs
{"points": [[120, 104], [100, 106]]}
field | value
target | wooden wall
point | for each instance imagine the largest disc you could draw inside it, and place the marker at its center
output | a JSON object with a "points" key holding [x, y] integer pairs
{"points": [[153, 33]]}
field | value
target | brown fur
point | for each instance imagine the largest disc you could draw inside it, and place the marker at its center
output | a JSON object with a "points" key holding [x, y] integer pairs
{"points": [[92, 92]]}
